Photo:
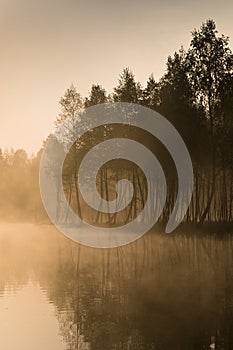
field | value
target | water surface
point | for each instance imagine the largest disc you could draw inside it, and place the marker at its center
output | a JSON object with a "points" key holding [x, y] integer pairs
{"points": [[161, 292]]}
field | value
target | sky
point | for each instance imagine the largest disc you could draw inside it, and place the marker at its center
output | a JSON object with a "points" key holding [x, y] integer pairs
{"points": [[46, 45]]}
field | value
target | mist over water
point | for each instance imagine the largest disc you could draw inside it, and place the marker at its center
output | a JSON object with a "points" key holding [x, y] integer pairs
{"points": [[160, 292]]}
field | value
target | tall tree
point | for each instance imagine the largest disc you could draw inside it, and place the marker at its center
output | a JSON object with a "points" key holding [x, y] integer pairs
{"points": [[1, 157], [150, 94], [210, 62], [71, 103], [176, 100]]}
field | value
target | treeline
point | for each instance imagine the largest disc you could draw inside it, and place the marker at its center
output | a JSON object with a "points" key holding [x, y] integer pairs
{"points": [[19, 188], [196, 95]]}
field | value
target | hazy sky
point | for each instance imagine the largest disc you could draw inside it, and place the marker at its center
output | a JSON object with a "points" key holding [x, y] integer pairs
{"points": [[48, 44]]}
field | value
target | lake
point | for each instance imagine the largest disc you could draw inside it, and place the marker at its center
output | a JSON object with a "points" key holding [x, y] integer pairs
{"points": [[161, 292]]}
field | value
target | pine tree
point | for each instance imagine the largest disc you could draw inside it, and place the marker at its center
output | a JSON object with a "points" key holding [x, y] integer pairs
{"points": [[127, 90], [96, 96]]}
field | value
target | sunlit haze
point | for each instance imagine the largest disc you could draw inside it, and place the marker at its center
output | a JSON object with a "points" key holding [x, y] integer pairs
{"points": [[47, 45]]}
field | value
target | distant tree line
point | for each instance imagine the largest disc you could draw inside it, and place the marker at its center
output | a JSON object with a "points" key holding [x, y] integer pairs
{"points": [[195, 94], [19, 188]]}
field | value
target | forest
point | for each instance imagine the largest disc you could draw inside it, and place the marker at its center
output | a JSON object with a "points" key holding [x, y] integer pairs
{"points": [[195, 94]]}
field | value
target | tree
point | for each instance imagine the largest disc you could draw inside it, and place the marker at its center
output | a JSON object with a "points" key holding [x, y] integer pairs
{"points": [[210, 60], [96, 96], [71, 103], [127, 90], [150, 94], [176, 101], [1, 157], [20, 159], [210, 63]]}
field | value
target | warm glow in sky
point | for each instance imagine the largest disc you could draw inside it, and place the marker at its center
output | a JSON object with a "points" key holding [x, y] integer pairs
{"points": [[48, 44]]}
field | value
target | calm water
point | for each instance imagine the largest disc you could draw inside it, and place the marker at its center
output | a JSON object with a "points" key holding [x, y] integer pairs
{"points": [[162, 292]]}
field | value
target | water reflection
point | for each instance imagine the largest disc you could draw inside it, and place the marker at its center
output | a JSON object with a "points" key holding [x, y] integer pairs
{"points": [[162, 292], [27, 321]]}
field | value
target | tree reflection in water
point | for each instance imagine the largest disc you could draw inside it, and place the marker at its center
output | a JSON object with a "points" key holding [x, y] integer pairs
{"points": [[161, 292]]}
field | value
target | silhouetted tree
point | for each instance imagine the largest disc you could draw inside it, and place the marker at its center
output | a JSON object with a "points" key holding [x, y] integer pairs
{"points": [[127, 90], [151, 93], [96, 96], [210, 61], [71, 103]]}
